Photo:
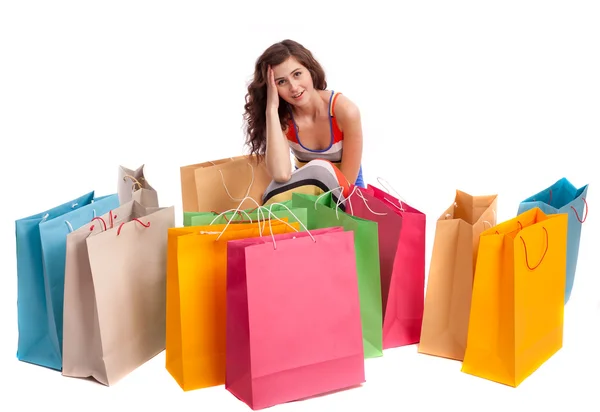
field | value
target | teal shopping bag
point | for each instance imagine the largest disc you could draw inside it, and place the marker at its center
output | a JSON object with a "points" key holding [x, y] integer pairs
{"points": [[322, 213], [563, 197], [41, 250], [34, 343]]}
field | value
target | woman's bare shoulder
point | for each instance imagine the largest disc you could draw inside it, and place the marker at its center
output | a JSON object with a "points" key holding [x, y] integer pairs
{"points": [[345, 110]]}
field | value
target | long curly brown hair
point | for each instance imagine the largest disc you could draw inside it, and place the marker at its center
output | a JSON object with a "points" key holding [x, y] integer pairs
{"points": [[256, 98]]}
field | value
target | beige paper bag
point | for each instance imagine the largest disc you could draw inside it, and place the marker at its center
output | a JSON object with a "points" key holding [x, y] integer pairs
{"points": [[114, 304], [133, 185], [452, 268], [222, 184]]}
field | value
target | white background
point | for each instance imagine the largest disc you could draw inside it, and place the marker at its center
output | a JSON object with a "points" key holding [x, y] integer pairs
{"points": [[486, 97]]}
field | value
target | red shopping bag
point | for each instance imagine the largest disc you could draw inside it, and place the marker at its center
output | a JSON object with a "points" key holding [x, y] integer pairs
{"points": [[402, 261], [293, 317]]}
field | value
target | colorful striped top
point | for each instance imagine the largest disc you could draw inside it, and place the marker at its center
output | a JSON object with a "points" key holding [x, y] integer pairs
{"points": [[333, 153]]}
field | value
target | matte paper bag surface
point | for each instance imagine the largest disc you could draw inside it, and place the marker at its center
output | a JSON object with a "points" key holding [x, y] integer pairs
{"points": [[107, 333], [322, 213], [37, 342], [189, 194], [196, 296], [563, 197], [293, 323], [53, 235], [401, 231], [261, 215], [221, 185], [242, 214], [517, 312], [451, 272], [133, 185]]}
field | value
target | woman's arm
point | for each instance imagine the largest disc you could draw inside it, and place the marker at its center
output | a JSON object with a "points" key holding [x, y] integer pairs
{"points": [[277, 154], [349, 122]]}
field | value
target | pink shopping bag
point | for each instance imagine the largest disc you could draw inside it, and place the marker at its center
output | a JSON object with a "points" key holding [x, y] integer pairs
{"points": [[401, 231], [293, 317]]}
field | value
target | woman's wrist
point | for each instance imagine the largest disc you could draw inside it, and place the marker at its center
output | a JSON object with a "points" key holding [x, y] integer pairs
{"points": [[272, 111]]}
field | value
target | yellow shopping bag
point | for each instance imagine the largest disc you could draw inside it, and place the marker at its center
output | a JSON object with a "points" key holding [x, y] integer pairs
{"points": [[517, 307], [196, 298]]}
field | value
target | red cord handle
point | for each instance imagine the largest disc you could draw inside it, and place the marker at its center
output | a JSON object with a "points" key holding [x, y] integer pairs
{"points": [[543, 255], [585, 205], [525, 247], [100, 219], [112, 221], [135, 219]]}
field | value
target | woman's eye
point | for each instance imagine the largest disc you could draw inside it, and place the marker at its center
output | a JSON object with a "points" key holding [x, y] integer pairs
{"points": [[297, 74], [280, 82]]}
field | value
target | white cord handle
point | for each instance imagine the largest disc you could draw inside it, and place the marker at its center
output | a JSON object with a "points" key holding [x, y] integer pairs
{"points": [[247, 191], [387, 186], [364, 199], [259, 208], [298, 220]]}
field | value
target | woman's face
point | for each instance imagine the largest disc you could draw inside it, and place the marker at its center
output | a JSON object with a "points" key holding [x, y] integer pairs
{"points": [[294, 82]]}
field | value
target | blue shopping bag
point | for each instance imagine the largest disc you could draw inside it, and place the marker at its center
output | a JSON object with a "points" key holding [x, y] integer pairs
{"points": [[41, 250], [563, 197]]}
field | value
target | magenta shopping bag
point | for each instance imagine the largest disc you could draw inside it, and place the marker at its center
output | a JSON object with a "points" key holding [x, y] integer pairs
{"points": [[293, 317], [402, 261]]}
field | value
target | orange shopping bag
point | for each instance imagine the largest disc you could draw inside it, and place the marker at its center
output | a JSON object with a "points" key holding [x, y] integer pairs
{"points": [[196, 298], [517, 307]]}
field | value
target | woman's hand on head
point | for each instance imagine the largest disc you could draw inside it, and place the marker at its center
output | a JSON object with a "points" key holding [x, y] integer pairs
{"points": [[272, 94]]}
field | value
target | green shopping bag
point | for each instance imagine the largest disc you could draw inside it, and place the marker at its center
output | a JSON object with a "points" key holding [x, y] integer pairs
{"points": [[321, 213], [278, 210]]}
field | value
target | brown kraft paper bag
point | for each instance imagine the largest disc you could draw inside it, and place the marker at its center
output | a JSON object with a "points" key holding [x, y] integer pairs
{"points": [[189, 196], [450, 281], [221, 185]]}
